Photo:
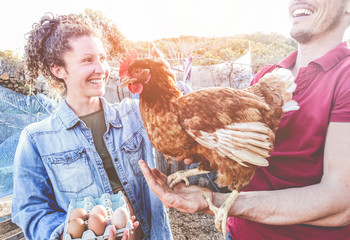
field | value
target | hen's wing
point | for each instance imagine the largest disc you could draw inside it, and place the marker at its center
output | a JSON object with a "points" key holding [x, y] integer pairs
{"points": [[228, 121]]}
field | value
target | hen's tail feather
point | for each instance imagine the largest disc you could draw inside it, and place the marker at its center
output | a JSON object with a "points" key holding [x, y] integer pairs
{"points": [[290, 106], [285, 76]]}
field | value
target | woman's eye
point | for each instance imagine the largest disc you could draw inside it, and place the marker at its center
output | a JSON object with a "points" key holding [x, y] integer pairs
{"points": [[87, 60]]}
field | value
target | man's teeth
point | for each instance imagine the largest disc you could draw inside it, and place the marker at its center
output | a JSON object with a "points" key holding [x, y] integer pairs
{"points": [[302, 12]]}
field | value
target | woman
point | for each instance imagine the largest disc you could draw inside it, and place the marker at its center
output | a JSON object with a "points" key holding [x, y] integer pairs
{"points": [[87, 147]]}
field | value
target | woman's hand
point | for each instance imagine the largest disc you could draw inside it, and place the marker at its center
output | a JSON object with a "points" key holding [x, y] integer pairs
{"points": [[126, 234], [186, 199]]}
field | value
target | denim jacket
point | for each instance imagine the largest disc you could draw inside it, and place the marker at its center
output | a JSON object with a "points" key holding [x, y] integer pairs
{"points": [[56, 161]]}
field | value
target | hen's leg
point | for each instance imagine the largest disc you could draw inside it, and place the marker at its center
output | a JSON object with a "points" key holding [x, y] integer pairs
{"points": [[182, 175], [221, 213]]}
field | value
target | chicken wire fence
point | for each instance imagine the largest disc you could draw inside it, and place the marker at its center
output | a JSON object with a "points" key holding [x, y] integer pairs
{"points": [[16, 112]]}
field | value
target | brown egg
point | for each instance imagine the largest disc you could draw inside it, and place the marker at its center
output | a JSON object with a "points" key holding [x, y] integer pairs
{"points": [[97, 223], [99, 209], [76, 227], [120, 217], [78, 213]]}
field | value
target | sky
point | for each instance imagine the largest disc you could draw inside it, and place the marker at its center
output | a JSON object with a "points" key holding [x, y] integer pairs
{"points": [[149, 20]]}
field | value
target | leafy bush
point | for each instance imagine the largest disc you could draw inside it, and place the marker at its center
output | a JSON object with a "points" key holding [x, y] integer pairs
{"points": [[265, 48]]}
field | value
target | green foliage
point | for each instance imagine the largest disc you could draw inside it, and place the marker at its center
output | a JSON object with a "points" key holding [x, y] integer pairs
{"points": [[11, 63], [114, 38], [265, 48], [9, 55]]}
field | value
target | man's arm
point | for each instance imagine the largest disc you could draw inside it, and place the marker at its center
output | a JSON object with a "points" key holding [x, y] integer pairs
{"points": [[323, 204]]}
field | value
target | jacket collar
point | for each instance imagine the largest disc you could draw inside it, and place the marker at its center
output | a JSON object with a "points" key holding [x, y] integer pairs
{"points": [[327, 61], [69, 119], [111, 114]]}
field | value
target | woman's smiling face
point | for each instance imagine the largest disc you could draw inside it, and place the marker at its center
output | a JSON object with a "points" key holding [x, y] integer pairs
{"points": [[86, 68]]}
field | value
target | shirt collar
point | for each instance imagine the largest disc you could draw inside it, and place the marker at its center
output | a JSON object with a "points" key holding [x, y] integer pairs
{"points": [[334, 56], [69, 119], [327, 61], [111, 114], [66, 114]]}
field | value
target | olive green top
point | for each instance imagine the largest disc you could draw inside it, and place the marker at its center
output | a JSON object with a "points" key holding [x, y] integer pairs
{"points": [[97, 124]]}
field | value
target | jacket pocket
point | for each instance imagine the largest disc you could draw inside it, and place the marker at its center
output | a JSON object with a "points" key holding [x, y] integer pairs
{"points": [[133, 151], [71, 170]]}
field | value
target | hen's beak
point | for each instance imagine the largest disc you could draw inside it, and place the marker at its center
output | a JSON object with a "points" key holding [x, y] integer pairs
{"points": [[143, 78], [126, 81]]}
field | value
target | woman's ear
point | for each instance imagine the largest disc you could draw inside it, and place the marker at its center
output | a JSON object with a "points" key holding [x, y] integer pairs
{"points": [[59, 71]]}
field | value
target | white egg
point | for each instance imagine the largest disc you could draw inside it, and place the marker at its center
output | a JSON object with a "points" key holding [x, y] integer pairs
{"points": [[120, 217]]}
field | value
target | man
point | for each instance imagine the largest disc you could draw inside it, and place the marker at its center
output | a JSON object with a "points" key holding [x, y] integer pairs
{"points": [[305, 192]]}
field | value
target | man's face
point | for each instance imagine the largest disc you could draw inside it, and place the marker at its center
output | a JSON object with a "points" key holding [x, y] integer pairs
{"points": [[311, 18]]}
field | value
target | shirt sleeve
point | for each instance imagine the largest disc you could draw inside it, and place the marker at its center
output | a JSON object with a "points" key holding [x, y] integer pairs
{"points": [[341, 101], [34, 208]]}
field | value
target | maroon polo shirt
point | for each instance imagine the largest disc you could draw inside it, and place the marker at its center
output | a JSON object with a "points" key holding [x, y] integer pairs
{"points": [[323, 94]]}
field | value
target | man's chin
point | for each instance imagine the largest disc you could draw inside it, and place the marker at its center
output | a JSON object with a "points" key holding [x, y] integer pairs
{"points": [[301, 36]]}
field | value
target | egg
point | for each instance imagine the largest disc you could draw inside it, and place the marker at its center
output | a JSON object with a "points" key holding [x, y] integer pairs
{"points": [[99, 209], [97, 223], [78, 213], [120, 217], [76, 227]]}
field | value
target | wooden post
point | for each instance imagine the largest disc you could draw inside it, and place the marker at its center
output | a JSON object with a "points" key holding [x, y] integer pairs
{"points": [[161, 162], [163, 165]]}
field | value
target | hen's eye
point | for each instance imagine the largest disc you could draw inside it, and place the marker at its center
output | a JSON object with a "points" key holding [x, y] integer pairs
{"points": [[137, 71]]}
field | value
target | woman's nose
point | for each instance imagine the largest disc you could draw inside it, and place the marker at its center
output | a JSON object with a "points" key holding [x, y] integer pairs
{"points": [[101, 67]]}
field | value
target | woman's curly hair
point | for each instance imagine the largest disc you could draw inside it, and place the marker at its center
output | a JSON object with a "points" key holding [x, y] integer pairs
{"points": [[49, 40]]}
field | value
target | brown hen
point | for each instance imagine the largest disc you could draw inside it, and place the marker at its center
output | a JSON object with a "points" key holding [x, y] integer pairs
{"points": [[227, 130]]}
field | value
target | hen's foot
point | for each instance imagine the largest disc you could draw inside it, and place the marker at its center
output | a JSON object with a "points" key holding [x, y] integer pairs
{"points": [[182, 175], [221, 213]]}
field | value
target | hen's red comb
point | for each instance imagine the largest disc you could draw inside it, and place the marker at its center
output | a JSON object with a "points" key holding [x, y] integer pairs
{"points": [[125, 62]]}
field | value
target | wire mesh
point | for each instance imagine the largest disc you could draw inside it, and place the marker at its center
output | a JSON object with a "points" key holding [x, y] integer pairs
{"points": [[16, 112]]}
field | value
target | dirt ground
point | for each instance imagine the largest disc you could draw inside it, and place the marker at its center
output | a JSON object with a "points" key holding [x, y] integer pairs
{"points": [[197, 226]]}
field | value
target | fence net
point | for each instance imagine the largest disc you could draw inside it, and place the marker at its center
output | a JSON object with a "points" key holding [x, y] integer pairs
{"points": [[16, 112]]}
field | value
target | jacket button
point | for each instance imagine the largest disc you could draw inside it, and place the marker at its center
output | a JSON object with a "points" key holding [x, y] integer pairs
{"points": [[124, 183], [115, 159], [133, 202]]}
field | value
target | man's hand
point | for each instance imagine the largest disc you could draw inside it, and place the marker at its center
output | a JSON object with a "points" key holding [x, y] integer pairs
{"points": [[186, 199], [155, 54], [126, 234]]}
